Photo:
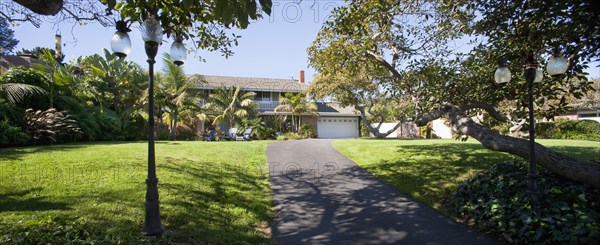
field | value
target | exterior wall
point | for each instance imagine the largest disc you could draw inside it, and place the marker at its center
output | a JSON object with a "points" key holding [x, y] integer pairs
{"points": [[569, 115], [441, 129], [588, 115], [580, 115], [408, 130]]}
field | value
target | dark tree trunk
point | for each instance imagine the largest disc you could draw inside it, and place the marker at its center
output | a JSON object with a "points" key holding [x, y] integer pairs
{"points": [[375, 130], [43, 7], [574, 169]]}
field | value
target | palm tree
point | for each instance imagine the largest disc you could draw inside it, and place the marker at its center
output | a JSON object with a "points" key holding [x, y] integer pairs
{"points": [[175, 93], [55, 74], [297, 105], [14, 92], [117, 76], [231, 104]]}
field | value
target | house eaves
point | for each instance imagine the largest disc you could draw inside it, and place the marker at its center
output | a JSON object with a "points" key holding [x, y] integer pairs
{"points": [[250, 84]]}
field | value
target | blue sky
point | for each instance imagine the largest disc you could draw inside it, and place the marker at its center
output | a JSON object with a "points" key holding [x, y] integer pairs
{"points": [[274, 47]]}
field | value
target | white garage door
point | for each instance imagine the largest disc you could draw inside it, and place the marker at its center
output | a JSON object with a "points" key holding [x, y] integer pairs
{"points": [[337, 127]]}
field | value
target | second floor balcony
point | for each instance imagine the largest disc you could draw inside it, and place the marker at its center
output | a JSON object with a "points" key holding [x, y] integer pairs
{"points": [[267, 105], [262, 105]]}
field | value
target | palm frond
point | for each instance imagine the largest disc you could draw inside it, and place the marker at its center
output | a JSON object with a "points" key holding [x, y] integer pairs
{"points": [[17, 92]]}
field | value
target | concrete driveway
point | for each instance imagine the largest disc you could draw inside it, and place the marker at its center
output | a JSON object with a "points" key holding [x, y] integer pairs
{"points": [[322, 197]]}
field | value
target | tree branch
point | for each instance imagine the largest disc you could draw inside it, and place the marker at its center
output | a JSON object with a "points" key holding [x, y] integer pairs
{"points": [[480, 105], [383, 62]]}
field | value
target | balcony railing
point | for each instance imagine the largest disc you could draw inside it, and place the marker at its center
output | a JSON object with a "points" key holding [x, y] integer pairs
{"points": [[267, 105], [262, 105]]}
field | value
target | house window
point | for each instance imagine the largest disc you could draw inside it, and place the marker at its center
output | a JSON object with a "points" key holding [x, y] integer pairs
{"points": [[262, 96], [275, 96], [588, 115], [329, 120]]}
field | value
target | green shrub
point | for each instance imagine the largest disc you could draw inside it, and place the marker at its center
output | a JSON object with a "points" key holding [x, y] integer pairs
{"points": [[187, 135], [266, 134], [308, 131], [569, 129], [259, 129], [11, 135], [496, 202], [292, 136]]}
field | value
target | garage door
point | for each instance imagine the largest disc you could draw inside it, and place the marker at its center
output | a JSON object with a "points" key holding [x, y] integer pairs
{"points": [[337, 127]]}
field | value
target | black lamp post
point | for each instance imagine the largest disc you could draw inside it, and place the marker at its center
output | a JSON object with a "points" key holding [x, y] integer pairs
{"points": [[121, 45], [152, 35], [533, 74]]}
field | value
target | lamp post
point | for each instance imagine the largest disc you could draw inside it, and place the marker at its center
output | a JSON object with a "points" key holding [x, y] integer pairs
{"points": [[121, 46], [533, 74], [152, 36]]}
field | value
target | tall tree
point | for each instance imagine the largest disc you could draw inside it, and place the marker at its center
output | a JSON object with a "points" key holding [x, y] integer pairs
{"points": [[297, 105], [7, 40], [230, 104], [410, 40], [56, 75], [175, 93]]}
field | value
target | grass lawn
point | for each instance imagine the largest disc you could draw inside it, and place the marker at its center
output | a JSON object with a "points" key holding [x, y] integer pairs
{"points": [[430, 169], [215, 192]]}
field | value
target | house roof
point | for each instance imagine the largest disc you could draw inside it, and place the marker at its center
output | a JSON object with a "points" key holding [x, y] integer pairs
{"points": [[21, 60], [251, 83], [332, 109]]}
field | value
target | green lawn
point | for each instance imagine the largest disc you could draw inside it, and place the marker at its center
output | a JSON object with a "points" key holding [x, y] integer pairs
{"points": [[215, 192], [429, 169]]}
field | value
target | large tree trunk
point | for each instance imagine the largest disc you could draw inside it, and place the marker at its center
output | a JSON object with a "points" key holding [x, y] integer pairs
{"points": [[574, 169], [375, 130]]}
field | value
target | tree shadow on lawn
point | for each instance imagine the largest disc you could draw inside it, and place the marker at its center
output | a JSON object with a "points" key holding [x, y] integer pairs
{"points": [[200, 202], [429, 172], [16, 201], [583, 153], [222, 205], [16, 153]]}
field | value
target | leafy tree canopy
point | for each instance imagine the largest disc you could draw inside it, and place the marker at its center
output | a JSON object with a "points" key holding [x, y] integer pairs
{"points": [[204, 22], [404, 47]]}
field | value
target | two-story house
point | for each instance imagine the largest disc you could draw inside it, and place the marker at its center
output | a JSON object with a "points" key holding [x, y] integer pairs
{"points": [[333, 121]]}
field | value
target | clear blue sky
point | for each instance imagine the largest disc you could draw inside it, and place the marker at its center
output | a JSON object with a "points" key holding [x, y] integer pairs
{"points": [[274, 47]]}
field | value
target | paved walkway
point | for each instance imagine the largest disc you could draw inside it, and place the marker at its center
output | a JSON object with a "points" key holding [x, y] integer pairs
{"points": [[322, 197]]}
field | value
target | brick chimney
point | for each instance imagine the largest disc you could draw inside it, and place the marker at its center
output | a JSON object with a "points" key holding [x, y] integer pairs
{"points": [[301, 76]]}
